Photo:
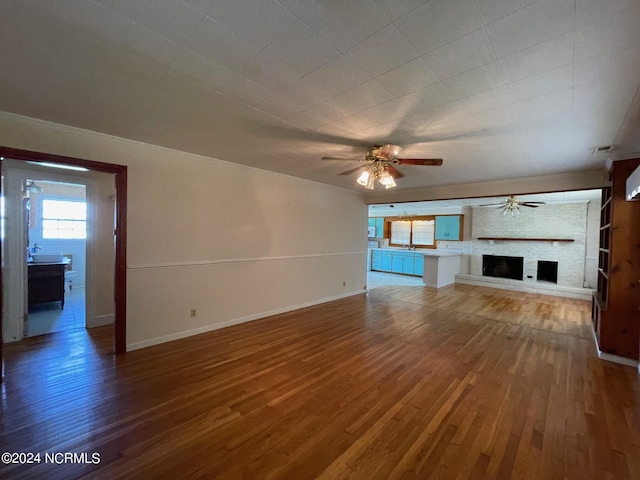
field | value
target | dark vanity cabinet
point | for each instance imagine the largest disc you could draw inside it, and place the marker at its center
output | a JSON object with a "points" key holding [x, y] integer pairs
{"points": [[46, 282]]}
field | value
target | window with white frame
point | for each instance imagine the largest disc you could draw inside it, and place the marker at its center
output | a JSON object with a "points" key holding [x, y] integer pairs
{"points": [[64, 219]]}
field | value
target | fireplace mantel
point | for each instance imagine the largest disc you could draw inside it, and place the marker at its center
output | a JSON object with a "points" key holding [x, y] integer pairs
{"points": [[520, 239]]}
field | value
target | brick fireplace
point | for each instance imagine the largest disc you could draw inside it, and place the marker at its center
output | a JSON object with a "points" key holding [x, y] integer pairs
{"points": [[540, 259]]}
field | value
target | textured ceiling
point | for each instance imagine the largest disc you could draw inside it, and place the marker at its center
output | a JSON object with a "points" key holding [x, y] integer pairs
{"points": [[498, 88]]}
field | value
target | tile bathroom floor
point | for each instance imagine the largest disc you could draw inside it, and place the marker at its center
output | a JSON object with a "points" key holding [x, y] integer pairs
{"points": [[49, 317]]}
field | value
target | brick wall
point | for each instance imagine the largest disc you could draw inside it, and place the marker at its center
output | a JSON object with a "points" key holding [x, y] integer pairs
{"points": [[546, 221]]}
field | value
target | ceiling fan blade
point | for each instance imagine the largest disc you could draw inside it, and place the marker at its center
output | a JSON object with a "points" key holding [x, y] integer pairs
{"points": [[418, 161], [350, 171], [532, 203], [529, 205], [360, 159], [492, 204], [394, 172]]}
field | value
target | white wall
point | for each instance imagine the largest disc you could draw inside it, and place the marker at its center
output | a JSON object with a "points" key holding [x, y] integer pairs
{"points": [[101, 248], [593, 244], [233, 242]]}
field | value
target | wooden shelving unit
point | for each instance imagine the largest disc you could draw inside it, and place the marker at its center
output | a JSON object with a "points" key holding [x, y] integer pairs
{"points": [[614, 314]]}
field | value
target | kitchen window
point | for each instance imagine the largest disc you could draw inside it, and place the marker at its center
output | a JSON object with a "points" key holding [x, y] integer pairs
{"points": [[418, 232], [64, 219]]}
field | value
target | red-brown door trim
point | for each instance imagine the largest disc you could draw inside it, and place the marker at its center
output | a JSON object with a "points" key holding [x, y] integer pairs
{"points": [[120, 172]]}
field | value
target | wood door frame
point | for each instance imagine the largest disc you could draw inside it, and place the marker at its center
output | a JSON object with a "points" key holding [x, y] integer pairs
{"points": [[120, 287]]}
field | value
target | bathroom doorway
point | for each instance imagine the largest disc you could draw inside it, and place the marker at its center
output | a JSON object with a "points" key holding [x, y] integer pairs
{"points": [[59, 256], [56, 235]]}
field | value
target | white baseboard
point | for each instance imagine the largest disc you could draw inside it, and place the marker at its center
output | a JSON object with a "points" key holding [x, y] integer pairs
{"points": [[614, 358], [617, 359], [235, 321], [101, 320], [527, 287]]}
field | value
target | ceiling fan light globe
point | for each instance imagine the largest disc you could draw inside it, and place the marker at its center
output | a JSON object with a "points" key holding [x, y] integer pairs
{"points": [[363, 178], [371, 182]]}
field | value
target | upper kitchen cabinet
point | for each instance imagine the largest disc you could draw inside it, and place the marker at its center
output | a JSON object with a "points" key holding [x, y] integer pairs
{"points": [[449, 227], [378, 224]]}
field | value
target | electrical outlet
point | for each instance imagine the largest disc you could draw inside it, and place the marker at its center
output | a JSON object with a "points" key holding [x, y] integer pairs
{"points": [[344, 283], [193, 312]]}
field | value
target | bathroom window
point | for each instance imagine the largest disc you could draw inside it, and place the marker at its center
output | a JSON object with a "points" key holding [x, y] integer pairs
{"points": [[64, 219]]}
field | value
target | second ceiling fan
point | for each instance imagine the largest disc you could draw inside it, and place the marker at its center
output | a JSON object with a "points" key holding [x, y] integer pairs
{"points": [[511, 205]]}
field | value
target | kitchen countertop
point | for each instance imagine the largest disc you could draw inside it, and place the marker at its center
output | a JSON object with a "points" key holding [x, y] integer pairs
{"points": [[424, 252]]}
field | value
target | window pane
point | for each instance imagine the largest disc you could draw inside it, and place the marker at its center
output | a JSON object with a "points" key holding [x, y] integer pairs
{"points": [[401, 232], [66, 224], [79, 211], [63, 219], [64, 209], [80, 230], [50, 224], [65, 234], [423, 232]]}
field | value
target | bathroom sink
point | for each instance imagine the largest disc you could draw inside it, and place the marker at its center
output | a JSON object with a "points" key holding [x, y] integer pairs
{"points": [[50, 257]]}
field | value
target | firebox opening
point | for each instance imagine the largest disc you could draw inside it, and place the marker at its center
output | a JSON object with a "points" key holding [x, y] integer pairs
{"points": [[547, 271], [502, 266]]}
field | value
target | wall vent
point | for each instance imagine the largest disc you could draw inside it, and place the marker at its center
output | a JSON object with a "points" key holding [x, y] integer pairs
{"points": [[602, 149]]}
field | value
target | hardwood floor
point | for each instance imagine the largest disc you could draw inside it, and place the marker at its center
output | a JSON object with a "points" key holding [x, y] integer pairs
{"points": [[400, 383]]}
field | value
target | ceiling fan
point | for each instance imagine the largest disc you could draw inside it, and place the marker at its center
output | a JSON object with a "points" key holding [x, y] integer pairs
{"points": [[379, 165], [511, 205]]}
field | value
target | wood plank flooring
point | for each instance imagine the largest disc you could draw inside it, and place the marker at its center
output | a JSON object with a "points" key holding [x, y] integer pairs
{"points": [[400, 383]]}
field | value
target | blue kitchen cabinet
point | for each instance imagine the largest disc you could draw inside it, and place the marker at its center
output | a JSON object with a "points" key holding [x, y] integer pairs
{"points": [[385, 261], [407, 263], [418, 265], [402, 263], [396, 263], [448, 227], [376, 260], [379, 224]]}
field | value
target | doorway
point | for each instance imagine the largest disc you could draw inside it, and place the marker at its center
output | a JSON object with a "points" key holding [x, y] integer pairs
{"points": [[65, 224], [56, 239], [16, 260]]}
